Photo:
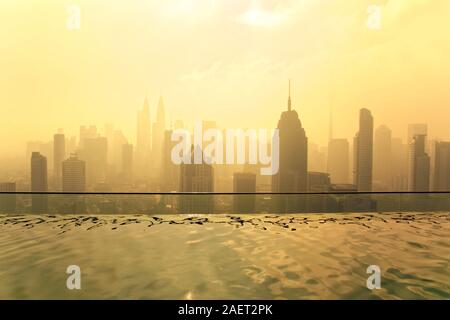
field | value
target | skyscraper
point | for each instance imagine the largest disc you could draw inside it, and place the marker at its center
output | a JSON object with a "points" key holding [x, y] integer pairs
{"points": [[382, 159], [363, 152], [419, 174], [415, 129], [143, 142], [292, 175], [59, 153], [338, 161], [87, 133], [127, 162], [196, 178], [159, 128], [73, 175], [38, 182], [95, 153], [171, 171], [244, 182], [399, 165], [442, 166]]}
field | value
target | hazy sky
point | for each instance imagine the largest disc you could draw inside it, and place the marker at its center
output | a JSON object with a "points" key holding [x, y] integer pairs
{"points": [[224, 60]]}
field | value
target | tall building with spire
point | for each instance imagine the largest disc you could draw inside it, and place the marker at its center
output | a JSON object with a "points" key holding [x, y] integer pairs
{"points": [[292, 174], [363, 152], [159, 128], [143, 141]]}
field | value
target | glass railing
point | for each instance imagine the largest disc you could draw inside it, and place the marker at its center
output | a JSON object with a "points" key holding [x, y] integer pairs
{"points": [[220, 203]]}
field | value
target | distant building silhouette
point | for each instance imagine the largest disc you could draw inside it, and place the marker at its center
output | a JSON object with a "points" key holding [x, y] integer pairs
{"points": [[382, 159], [73, 175], [442, 166], [414, 129], [94, 153], [159, 128], [39, 182], [143, 142], [338, 161], [171, 172], [127, 163], [87, 133], [399, 165], [419, 175], [7, 201], [59, 153], [242, 183], [363, 152], [292, 175], [196, 178]]}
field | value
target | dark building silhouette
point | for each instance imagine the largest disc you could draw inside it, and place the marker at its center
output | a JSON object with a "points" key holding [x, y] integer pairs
{"points": [[159, 128], [442, 166], [59, 153], [382, 159], [244, 182], [338, 160], [7, 201], [196, 178], [171, 172], [292, 175], [39, 203], [363, 152], [73, 175], [127, 163], [94, 153], [419, 175]]}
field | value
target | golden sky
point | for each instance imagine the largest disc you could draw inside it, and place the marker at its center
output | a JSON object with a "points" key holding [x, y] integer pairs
{"points": [[224, 60]]}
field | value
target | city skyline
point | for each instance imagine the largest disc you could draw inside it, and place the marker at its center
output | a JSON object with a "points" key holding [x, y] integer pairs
{"points": [[99, 74]]}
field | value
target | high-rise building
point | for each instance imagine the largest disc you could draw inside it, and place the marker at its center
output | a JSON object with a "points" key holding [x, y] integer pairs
{"points": [[415, 129], [39, 182], [196, 178], [382, 159], [159, 128], [399, 165], [73, 175], [171, 172], [363, 152], [442, 166], [127, 162], [7, 201], [292, 175], [87, 133], [338, 161], [94, 153], [143, 142], [244, 182], [419, 174], [59, 153]]}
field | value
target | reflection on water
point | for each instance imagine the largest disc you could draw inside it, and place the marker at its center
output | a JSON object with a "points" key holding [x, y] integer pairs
{"points": [[300, 256]]}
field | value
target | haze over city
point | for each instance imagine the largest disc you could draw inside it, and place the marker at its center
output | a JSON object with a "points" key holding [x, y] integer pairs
{"points": [[238, 63]]}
